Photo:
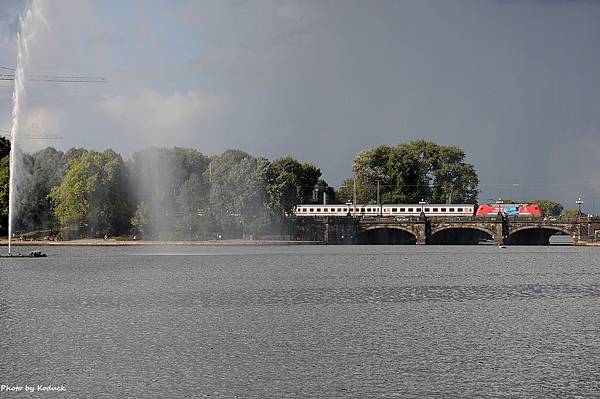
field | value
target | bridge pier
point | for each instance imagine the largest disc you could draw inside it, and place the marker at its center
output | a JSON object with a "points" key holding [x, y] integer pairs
{"points": [[340, 230], [422, 232], [500, 233]]}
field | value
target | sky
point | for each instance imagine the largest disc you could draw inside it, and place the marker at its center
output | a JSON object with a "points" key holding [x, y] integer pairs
{"points": [[516, 84]]}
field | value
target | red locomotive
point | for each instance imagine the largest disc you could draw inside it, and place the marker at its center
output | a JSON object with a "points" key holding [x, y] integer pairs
{"points": [[524, 210]]}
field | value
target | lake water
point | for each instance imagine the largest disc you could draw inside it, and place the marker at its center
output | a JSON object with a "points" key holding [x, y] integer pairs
{"points": [[303, 321]]}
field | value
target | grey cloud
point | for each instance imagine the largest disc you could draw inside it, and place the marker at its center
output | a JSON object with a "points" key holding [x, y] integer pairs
{"points": [[515, 86]]}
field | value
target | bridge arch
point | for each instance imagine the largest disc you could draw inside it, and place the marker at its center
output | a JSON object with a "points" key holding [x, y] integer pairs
{"points": [[460, 235], [535, 235], [386, 235]]}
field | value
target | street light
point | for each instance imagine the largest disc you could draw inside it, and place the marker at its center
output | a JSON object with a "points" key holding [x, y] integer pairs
{"points": [[422, 203], [579, 202], [499, 205]]}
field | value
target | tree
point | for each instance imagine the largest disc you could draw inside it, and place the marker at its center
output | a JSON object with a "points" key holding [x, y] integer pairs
{"points": [[93, 195], [571, 213], [191, 202], [4, 182], [346, 191], [413, 171], [549, 207], [4, 186], [44, 170], [239, 197], [4, 147], [158, 176], [289, 183], [141, 221]]}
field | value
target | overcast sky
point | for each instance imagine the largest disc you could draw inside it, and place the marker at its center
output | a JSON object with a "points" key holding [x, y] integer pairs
{"points": [[516, 84]]}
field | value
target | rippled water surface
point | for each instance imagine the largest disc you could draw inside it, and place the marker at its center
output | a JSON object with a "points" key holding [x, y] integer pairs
{"points": [[303, 321]]}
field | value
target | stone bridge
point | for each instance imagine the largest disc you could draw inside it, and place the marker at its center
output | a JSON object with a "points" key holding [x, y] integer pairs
{"points": [[456, 230]]}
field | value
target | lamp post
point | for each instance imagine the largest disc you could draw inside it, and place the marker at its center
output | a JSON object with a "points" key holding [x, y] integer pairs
{"points": [[499, 205], [422, 203], [579, 202]]}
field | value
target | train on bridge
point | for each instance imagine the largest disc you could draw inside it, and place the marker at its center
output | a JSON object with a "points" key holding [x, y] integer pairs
{"points": [[523, 210], [411, 210], [385, 210]]}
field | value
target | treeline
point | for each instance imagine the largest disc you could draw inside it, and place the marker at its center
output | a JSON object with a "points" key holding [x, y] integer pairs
{"points": [[160, 193], [411, 172], [180, 193]]}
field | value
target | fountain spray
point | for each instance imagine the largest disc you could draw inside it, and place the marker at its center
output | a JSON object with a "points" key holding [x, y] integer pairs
{"points": [[26, 30]]}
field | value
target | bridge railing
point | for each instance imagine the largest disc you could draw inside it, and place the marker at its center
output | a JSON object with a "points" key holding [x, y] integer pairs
{"points": [[390, 219], [550, 219], [438, 219]]}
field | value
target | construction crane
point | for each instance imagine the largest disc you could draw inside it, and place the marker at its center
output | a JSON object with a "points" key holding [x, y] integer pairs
{"points": [[45, 78], [6, 133], [52, 78]]}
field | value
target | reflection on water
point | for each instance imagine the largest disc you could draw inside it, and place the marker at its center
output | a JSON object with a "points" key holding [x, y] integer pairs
{"points": [[304, 321]]}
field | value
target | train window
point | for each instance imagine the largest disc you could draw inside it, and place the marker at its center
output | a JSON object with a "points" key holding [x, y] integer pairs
{"points": [[339, 209], [402, 209], [394, 209], [312, 209], [435, 209], [410, 209], [368, 209], [450, 209], [318, 209], [442, 209], [345, 209], [426, 209], [459, 210]]}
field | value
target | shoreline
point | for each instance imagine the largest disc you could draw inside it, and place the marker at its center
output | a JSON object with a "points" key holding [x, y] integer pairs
{"points": [[117, 243], [99, 242]]}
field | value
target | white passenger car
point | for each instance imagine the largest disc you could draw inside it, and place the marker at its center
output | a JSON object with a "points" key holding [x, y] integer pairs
{"points": [[385, 210]]}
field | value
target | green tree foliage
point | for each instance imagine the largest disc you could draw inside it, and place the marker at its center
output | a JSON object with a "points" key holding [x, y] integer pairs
{"points": [[549, 207], [4, 180], [191, 203], [161, 178], [4, 185], [289, 183], [4, 147], [571, 213], [179, 193], [141, 222], [238, 194], [93, 195], [413, 171], [44, 171]]}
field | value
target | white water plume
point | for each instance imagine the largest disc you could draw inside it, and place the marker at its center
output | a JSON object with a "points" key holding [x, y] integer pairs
{"points": [[27, 26]]}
